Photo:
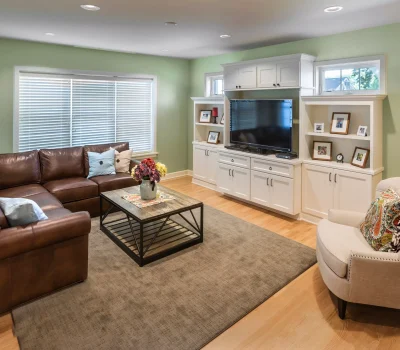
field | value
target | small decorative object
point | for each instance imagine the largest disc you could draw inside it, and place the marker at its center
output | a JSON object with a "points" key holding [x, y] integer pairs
{"points": [[222, 119], [362, 130], [322, 150], [360, 157], [339, 158], [205, 116], [149, 172], [319, 127], [136, 199], [340, 123], [215, 114], [213, 137]]}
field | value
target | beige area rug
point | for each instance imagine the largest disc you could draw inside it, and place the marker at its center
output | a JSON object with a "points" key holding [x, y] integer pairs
{"points": [[180, 302]]}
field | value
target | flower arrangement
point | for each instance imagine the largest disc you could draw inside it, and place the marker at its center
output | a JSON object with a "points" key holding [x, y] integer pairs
{"points": [[148, 169]]}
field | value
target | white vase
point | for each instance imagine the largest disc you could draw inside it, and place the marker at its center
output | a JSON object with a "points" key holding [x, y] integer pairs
{"points": [[148, 190]]}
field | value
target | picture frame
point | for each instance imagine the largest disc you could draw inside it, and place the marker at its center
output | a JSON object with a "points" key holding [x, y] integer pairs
{"points": [[360, 157], [319, 127], [340, 123], [222, 121], [213, 137], [362, 130], [322, 150], [205, 116]]}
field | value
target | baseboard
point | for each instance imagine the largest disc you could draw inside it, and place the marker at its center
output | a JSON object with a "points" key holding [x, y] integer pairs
{"points": [[177, 174], [310, 218], [204, 184]]}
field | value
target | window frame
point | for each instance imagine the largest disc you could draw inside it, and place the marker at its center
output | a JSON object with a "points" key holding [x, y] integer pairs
{"points": [[378, 61], [208, 83], [92, 75]]}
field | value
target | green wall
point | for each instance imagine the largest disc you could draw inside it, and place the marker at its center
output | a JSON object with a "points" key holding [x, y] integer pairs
{"points": [[374, 41], [173, 79]]}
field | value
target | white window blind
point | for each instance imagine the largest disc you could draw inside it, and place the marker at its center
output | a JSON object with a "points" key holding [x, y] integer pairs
{"points": [[61, 111]]}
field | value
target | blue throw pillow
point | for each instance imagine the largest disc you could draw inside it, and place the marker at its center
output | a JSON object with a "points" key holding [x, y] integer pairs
{"points": [[101, 163], [21, 211]]}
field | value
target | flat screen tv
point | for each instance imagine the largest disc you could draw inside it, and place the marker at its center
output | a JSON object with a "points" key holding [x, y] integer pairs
{"points": [[265, 124]]}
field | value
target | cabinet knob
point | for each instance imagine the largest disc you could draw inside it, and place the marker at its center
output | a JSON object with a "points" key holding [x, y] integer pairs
{"points": [[274, 84], [270, 168], [232, 160], [278, 84]]}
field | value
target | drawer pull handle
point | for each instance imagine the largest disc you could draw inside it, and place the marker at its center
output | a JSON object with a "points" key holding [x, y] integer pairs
{"points": [[229, 172], [267, 181], [270, 168], [271, 183]]}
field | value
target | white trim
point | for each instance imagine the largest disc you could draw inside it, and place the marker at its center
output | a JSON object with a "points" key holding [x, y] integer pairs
{"points": [[299, 56], [144, 155], [87, 74], [178, 174]]}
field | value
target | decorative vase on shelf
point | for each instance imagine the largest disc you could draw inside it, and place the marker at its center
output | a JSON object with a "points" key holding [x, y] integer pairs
{"points": [[148, 190]]}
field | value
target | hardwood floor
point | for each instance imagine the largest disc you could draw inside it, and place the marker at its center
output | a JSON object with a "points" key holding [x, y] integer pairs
{"points": [[302, 315]]}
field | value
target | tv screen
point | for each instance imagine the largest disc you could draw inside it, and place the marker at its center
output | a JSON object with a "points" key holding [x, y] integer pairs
{"points": [[263, 124]]}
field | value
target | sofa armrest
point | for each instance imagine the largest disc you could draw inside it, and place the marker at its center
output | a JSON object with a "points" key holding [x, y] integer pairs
{"points": [[22, 239], [134, 162], [348, 218]]}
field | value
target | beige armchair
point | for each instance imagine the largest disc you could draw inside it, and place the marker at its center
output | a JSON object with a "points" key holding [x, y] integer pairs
{"points": [[350, 268]]}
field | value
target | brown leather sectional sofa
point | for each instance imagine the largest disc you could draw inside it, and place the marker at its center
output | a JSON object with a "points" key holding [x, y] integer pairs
{"points": [[45, 256]]}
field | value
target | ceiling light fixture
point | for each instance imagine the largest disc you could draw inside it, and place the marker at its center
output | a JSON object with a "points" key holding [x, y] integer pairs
{"points": [[333, 9], [90, 7], [224, 36], [164, 50], [172, 24], [49, 34]]}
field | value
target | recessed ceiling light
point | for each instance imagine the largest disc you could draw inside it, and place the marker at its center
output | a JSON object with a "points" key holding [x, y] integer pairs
{"points": [[333, 9], [172, 24], [49, 34], [224, 36], [164, 50], [90, 7]]}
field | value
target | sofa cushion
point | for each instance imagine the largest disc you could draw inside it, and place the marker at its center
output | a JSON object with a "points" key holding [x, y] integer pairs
{"points": [[114, 182], [119, 146], [336, 242], [72, 189], [21, 211], [61, 163], [46, 201], [22, 191], [101, 163], [19, 169]]}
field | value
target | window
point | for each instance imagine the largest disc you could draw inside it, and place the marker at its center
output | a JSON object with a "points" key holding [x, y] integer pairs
{"points": [[214, 84], [62, 110], [352, 76]]}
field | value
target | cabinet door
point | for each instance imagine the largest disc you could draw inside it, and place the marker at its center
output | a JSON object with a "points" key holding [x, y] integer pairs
{"points": [[224, 178], [281, 194], [212, 166], [288, 74], [231, 78], [353, 191], [266, 75], [260, 187], [318, 189], [247, 77], [241, 182], [200, 163]]}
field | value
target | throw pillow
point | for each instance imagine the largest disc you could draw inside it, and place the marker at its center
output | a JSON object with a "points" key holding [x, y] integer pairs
{"points": [[21, 211], [123, 161], [101, 163], [382, 223]]}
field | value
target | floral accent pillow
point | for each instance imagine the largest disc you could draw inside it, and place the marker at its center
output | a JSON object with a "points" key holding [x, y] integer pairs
{"points": [[381, 227]]}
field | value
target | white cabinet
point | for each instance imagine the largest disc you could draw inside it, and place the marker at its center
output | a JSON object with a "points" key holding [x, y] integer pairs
{"points": [[231, 78], [326, 188], [205, 162], [233, 180], [266, 75], [288, 74], [243, 77]]}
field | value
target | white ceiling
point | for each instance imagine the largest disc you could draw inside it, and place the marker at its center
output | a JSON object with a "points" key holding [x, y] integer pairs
{"points": [[138, 26]]}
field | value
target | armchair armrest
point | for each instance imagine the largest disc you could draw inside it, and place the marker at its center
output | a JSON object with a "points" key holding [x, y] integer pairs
{"points": [[22, 239], [348, 218], [134, 162]]}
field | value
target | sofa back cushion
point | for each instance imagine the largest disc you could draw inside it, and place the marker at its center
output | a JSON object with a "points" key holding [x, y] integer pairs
{"points": [[61, 163], [119, 146], [17, 169]]}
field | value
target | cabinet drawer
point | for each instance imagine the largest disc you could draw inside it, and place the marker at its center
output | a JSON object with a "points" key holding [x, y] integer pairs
{"points": [[272, 167], [241, 161]]}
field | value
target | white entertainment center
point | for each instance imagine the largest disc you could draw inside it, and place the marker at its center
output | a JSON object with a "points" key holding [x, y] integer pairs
{"points": [[302, 188]]}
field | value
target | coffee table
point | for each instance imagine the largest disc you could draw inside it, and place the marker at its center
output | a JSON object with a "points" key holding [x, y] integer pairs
{"points": [[151, 233]]}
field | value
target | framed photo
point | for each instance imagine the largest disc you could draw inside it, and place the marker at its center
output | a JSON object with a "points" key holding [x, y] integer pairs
{"points": [[205, 117], [213, 137], [362, 130], [360, 157], [322, 150], [340, 123], [319, 127], [222, 119]]}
